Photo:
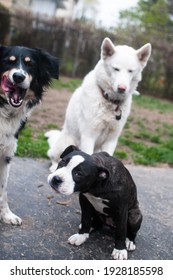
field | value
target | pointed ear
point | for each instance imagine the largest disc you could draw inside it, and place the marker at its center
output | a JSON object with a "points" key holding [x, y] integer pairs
{"points": [[144, 53], [69, 150], [107, 48], [103, 173]]}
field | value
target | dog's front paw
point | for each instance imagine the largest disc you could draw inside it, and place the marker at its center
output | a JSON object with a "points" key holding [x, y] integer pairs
{"points": [[119, 254], [78, 239], [130, 245], [9, 218]]}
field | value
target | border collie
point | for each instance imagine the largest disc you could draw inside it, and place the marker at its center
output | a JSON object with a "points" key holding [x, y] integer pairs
{"points": [[24, 74]]}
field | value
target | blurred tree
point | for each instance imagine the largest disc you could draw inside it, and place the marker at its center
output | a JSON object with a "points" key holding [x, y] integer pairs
{"points": [[86, 10], [4, 24], [152, 20], [59, 3]]}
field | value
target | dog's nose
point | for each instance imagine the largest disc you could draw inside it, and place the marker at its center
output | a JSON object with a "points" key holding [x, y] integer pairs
{"points": [[56, 181], [18, 77], [121, 88]]}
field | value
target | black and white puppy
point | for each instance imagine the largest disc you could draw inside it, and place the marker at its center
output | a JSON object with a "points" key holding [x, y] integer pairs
{"points": [[107, 194], [24, 74]]}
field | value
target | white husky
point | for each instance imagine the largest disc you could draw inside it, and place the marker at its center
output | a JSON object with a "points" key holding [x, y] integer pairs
{"points": [[99, 108]]}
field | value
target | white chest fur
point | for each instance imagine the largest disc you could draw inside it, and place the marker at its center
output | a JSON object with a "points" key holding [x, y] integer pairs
{"points": [[97, 202]]}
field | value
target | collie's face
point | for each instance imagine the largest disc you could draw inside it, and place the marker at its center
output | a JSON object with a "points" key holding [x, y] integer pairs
{"points": [[24, 72]]}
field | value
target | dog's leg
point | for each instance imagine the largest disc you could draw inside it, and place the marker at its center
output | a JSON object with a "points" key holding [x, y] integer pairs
{"points": [[5, 213], [110, 143], [87, 144], [120, 220], [86, 222], [133, 225], [110, 146]]}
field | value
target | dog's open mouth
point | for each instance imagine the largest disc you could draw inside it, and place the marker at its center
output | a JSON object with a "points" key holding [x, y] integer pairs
{"points": [[14, 93]]}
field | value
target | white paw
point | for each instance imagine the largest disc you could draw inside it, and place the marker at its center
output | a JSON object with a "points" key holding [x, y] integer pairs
{"points": [[78, 239], [119, 254], [130, 245], [9, 218]]}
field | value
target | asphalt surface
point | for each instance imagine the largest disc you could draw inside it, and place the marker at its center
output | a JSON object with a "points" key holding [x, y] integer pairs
{"points": [[49, 218]]}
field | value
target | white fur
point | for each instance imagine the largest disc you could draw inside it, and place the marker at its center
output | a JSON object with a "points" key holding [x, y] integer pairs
{"points": [[90, 121], [97, 202], [119, 254], [78, 239], [130, 245], [65, 173], [9, 123], [26, 83]]}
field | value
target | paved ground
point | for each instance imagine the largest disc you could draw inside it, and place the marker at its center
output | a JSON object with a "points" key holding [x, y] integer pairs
{"points": [[49, 219]]}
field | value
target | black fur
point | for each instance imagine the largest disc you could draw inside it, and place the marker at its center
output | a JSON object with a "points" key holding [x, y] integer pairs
{"points": [[104, 178], [42, 67], [24, 75], [22, 125]]}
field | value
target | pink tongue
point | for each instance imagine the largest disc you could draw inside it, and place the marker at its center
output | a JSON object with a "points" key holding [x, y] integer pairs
{"points": [[15, 97], [6, 84], [3, 83]]}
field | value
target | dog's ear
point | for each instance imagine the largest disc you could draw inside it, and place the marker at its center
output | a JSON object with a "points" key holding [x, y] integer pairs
{"points": [[48, 64], [51, 64], [103, 173], [2, 49], [107, 48], [69, 150], [144, 53]]}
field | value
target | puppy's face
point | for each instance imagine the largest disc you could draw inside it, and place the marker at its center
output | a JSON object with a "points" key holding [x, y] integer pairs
{"points": [[76, 171], [20, 70]]}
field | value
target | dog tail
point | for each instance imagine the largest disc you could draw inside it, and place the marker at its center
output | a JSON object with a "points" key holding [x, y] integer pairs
{"points": [[58, 141], [137, 93], [52, 137]]}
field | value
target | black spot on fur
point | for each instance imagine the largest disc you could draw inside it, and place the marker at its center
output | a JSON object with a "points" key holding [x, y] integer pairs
{"points": [[8, 159], [22, 124]]}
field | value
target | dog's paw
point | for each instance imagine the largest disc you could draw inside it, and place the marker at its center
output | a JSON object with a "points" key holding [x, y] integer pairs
{"points": [[9, 218], [78, 239], [130, 245], [119, 254]]}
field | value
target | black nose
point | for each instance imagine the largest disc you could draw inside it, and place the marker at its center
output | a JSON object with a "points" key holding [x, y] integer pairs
{"points": [[18, 77], [56, 181]]}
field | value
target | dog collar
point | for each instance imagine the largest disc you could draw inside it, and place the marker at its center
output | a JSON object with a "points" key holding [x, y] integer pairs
{"points": [[118, 112]]}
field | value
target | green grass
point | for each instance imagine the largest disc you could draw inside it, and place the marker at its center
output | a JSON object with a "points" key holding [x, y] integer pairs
{"points": [[142, 141], [146, 145], [150, 155], [70, 84], [31, 147], [153, 103]]}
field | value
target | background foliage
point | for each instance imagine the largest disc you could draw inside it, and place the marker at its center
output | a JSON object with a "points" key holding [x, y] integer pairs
{"points": [[77, 43]]}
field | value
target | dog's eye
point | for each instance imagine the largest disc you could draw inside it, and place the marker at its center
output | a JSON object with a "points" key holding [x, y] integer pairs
{"points": [[28, 63], [116, 69], [78, 174], [130, 71], [11, 62]]}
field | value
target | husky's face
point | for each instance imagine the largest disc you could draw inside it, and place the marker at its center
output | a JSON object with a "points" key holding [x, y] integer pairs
{"points": [[123, 65]]}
